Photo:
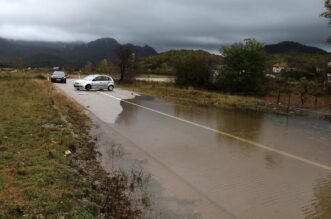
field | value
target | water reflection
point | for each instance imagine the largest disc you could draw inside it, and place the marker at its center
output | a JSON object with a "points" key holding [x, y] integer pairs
{"points": [[247, 125], [327, 117], [272, 160], [128, 115], [226, 167], [115, 157], [293, 134], [320, 206]]}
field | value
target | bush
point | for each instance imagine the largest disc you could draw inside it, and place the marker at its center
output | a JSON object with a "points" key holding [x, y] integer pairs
{"points": [[243, 68], [196, 69]]}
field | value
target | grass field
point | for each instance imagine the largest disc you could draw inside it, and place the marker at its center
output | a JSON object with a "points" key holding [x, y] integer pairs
{"points": [[199, 97], [37, 126]]}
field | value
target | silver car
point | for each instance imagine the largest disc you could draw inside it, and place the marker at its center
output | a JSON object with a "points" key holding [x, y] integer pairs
{"points": [[95, 82]]}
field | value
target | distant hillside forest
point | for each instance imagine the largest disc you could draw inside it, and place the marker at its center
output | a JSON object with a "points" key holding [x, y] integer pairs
{"points": [[76, 54], [66, 55], [294, 55]]}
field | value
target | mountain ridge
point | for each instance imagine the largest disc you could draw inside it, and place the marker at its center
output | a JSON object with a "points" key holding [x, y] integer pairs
{"points": [[74, 53], [290, 47]]}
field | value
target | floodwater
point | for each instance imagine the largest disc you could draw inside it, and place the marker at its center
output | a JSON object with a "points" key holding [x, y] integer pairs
{"points": [[244, 180], [214, 163]]}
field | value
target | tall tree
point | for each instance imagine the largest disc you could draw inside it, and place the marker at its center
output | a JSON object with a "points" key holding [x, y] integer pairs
{"points": [[127, 61], [327, 13], [303, 89], [243, 67]]}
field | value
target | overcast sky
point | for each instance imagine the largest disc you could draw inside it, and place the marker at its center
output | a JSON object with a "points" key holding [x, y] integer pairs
{"points": [[166, 24]]}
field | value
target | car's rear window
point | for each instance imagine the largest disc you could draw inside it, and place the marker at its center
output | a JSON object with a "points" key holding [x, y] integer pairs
{"points": [[58, 73]]}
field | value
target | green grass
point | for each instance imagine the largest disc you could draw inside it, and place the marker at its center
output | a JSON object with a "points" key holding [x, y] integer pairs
{"points": [[190, 96], [37, 126], [199, 97], [33, 183], [36, 74]]}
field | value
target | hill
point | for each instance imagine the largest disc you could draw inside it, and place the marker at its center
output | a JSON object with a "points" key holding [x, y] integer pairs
{"points": [[10, 49], [288, 47], [48, 54], [102, 48]]}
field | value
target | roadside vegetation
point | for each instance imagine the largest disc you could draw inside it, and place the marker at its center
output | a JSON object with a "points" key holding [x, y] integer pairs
{"points": [[201, 97], [242, 77], [198, 97], [49, 166]]}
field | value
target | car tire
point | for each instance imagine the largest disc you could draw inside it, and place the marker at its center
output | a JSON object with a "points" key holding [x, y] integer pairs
{"points": [[65, 81], [110, 88], [88, 87]]}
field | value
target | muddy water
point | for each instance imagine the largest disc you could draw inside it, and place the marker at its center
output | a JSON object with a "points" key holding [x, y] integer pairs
{"points": [[242, 179]]}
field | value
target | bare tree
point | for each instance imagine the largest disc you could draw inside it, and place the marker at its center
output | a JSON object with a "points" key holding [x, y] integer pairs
{"points": [[303, 90], [289, 91], [281, 85], [316, 89], [128, 63]]}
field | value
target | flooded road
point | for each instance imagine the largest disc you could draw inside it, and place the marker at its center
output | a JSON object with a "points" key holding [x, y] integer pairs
{"points": [[220, 163]]}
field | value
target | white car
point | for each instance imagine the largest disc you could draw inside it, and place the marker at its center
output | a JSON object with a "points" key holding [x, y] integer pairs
{"points": [[95, 82]]}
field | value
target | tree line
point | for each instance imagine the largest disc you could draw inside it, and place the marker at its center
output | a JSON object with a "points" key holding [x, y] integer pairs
{"points": [[245, 68]]}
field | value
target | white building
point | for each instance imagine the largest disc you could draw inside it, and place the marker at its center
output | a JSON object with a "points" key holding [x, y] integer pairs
{"points": [[278, 68]]}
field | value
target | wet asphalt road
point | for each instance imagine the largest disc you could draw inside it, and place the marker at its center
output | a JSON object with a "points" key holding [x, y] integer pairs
{"points": [[212, 163]]}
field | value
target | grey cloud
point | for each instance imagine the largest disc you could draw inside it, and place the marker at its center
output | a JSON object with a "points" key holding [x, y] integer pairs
{"points": [[166, 24]]}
